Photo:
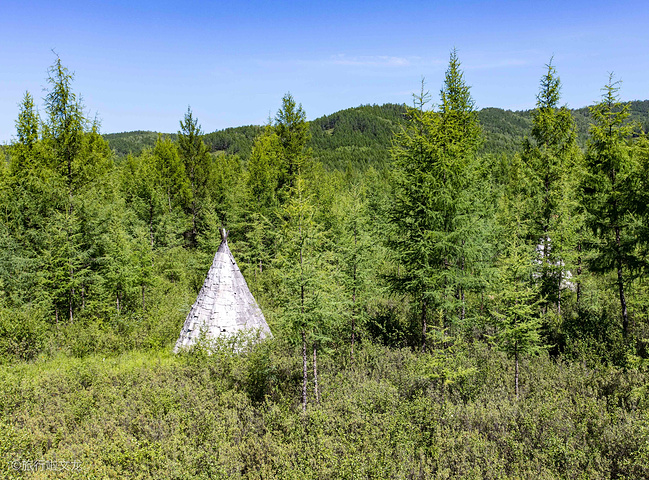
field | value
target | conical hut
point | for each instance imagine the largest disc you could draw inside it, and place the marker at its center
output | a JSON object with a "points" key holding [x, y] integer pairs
{"points": [[224, 304]]}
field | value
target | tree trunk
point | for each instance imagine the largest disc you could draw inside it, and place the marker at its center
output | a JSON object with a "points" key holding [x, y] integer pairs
{"points": [[71, 299], [620, 283], [559, 300], [578, 275], [304, 371], [151, 223], [354, 301], [424, 326], [516, 372], [315, 375]]}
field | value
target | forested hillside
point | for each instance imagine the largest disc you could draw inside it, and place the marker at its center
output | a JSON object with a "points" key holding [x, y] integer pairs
{"points": [[452, 293], [362, 136]]}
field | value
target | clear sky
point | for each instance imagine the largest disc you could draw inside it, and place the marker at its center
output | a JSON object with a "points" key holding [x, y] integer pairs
{"points": [[139, 64]]}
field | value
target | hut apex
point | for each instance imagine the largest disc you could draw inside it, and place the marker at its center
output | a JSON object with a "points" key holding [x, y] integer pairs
{"points": [[224, 304]]}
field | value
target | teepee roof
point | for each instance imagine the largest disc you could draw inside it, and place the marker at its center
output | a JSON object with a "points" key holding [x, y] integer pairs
{"points": [[224, 304]]}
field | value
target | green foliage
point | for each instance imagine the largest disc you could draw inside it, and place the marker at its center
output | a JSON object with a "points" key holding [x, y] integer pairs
{"points": [[604, 189], [234, 141], [102, 254], [292, 132], [134, 143], [431, 215], [390, 415]]}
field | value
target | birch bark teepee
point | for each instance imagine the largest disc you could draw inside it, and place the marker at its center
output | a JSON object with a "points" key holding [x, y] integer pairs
{"points": [[224, 304]]}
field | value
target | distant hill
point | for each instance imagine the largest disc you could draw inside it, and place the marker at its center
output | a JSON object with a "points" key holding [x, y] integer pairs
{"points": [[132, 142], [236, 140], [362, 136]]}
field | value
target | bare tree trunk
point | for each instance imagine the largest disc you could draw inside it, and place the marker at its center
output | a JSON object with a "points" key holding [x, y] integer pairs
{"points": [[559, 300], [194, 222], [71, 296], [151, 222], [354, 301], [304, 371], [579, 275], [424, 325], [620, 283], [516, 371], [315, 375]]}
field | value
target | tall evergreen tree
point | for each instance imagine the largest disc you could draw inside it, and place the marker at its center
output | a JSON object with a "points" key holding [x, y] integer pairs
{"points": [[77, 157], [550, 154], [306, 279], [27, 129], [293, 134], [605, 197], [516, 302], [430, 214], [195, 156], [171, 172]]}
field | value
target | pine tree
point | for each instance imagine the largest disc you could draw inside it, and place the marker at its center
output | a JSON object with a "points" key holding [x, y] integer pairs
{"points": [[354, 246], [76, 159]]}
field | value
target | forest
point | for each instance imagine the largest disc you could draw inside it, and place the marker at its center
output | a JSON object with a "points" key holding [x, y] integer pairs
{"points": [[468, 289]]}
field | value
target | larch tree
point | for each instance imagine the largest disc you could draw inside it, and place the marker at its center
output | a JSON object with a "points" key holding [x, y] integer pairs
{"points": [[605, 193], [550, 154], [304, 288], [293, 134], [430, 215], [516, 303], [196, 158], [171, 172], [354, 248], [77, 157]]}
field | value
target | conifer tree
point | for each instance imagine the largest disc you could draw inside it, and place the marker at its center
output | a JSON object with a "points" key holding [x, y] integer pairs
{"points": [[516, 301], [431, 233], [550, 154], [171, 172], [354, 246], [302, 262], [605, 193], [195, 156], [77, 157], [27, 129], [292, 131]]}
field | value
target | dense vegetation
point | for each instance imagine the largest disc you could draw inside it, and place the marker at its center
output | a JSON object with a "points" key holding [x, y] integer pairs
{"points": [[452, 292], [362, 136]]}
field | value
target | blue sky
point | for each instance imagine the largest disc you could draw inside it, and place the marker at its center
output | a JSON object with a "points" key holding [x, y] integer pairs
{"points": [[138, 65]]}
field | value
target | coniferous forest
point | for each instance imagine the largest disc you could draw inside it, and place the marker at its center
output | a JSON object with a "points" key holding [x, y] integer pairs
{"points": [[452, 292]]}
